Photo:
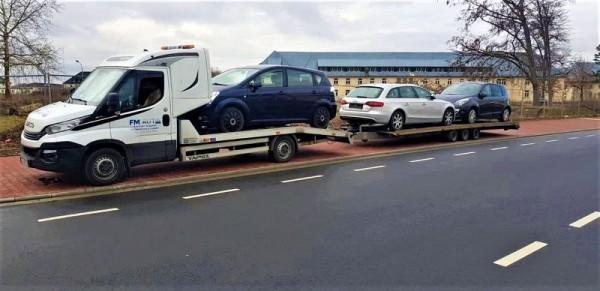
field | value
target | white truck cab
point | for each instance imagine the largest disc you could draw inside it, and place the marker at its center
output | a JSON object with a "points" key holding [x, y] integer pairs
{"points": [[125, 113]]}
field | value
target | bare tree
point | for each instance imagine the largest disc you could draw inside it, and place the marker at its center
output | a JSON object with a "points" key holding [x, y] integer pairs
{"points": [[581, 77], [23, 28], [526, 36], [597, 55]]}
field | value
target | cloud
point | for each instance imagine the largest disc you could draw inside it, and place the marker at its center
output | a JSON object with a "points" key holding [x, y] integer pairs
{"points": [[245, 33]]}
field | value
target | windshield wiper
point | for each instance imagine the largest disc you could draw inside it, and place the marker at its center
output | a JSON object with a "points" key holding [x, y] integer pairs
{"points": [[362, 97], [81, 100]]}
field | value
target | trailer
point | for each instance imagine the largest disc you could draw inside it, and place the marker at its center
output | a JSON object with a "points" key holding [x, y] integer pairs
{"points": [[282, 143]]}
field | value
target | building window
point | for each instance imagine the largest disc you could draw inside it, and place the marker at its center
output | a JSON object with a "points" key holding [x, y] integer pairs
{"points": [[359, 81], [372, 80], [336, 92], [347, 81], [410, 80], [347, 92], [526, 94], [424, 81], [384, 81], [437, 81], [501, 81], [335, 81], [398, 80], [449, 82]]}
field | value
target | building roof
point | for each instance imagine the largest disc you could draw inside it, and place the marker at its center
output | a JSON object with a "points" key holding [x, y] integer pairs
{"points": [[77, 79], [315, 60]]}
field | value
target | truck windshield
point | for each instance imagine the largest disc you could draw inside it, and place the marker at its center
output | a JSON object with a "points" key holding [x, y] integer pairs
{"points": [[365, 92], [233, 76], [96, 86], [463, 89]]}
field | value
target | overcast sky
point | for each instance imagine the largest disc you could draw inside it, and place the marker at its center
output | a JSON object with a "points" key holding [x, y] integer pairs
{"points": [[243, 33]]}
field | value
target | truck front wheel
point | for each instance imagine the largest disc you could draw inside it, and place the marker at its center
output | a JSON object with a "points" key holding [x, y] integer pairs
{"points": [[104, 167]]}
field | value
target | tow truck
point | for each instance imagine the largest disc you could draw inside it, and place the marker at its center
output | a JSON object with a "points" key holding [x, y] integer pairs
{"points": [[137, 109]]}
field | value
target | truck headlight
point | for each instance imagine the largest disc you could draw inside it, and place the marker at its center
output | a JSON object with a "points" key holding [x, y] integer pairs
{"points": [[63, 126], [461, 102]]}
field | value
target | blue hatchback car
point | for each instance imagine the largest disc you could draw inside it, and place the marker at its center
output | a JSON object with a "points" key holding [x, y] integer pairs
{"points": [[267, 95]]}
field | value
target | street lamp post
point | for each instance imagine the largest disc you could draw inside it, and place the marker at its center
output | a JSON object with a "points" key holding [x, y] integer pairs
{"points": [[81, 72]]}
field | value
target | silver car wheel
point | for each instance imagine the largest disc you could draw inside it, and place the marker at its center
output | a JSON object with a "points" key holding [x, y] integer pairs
{"points": [[506, 115], [472, 116], [397, 121], [448, 117]]}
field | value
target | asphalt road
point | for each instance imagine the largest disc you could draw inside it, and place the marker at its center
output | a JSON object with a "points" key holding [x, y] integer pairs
{"points": [[431, 220]]}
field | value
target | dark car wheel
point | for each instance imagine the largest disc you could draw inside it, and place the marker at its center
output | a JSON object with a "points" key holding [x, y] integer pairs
{"points": [[231, 119], [104, 167], [320, 118], [472, 116], [396, 121], [505, 115], [283, 149], [448, 117]]}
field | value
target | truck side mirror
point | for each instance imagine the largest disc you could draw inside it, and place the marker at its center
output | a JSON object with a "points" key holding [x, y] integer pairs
{"points": [[113, 104]]}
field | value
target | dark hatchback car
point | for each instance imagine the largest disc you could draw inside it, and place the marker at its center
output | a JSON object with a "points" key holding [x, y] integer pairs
{"points": [[266, 95], [476, 100]]}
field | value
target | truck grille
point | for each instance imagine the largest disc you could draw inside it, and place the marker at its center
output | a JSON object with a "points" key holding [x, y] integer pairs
{"points": [[34, 135]]}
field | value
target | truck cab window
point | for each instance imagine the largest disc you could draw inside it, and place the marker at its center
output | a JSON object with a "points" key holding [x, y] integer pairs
{"points": [[140, 89]]}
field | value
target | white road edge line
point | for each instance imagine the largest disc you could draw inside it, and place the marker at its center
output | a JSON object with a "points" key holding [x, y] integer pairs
{"points": [[527, 144], [463, 154], [552, 140], [77, 214], [573, 137], [369, 168], [421, 160], [302, 179], [520, 254], [210, 193], [585, 220], [500, 148]]}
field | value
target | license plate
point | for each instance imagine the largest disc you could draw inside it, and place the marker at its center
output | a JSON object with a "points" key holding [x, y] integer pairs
{"points": [[355, 106]]}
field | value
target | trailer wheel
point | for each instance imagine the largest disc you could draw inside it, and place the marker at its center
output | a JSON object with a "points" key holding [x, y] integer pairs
{"points": [[283, 149], [475, 133], [104, 167], [452, 135], [464, 135]]}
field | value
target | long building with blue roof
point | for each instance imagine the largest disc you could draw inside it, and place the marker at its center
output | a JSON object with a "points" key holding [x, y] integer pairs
{"points": [[432, 70]]}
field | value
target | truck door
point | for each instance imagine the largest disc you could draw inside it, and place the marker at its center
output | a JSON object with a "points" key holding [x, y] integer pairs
{"points": [[144, 124]]}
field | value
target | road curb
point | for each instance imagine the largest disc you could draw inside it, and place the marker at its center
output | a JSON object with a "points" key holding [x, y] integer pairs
{"points": [[117, 189]]}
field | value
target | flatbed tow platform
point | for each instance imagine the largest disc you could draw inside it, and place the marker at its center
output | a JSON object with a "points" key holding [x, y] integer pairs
{"points": [[282, 142]]}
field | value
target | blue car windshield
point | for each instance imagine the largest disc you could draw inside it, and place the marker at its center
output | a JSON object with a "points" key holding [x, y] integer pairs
{"points": [[365, 92], [233, 76], [469, 89]]}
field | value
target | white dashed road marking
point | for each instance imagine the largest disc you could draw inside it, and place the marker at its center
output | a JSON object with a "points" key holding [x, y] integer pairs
{"points": [[573, 137], [590, 135], [585, 220], [77, 214], [497, 149], [552, 140], [464, 154], [210, 194], [520, 254], [369, 168], [421, 160], [527, 144], [302, 179]]}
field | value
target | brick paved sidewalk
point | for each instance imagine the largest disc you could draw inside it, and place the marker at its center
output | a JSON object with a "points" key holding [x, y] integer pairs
{"points": [[18, 181]]}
